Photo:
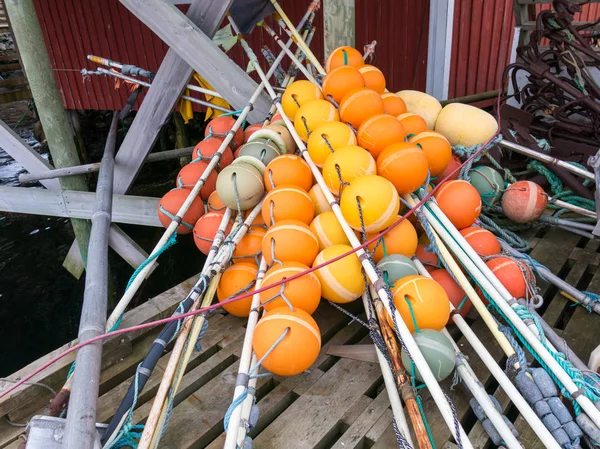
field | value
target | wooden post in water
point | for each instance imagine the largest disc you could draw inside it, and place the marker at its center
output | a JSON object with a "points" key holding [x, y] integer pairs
{"points": [[338, 24], [80, 429], [32, 49]]}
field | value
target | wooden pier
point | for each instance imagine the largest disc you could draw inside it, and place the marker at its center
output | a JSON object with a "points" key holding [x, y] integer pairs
{"points": [[338, 403]]}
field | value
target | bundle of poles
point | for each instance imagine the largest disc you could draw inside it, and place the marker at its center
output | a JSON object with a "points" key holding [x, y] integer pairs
{"points": [[377, 301]]}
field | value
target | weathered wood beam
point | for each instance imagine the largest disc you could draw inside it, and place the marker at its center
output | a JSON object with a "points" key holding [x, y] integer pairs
{"points": [[18, 149], [36, 63], [76, 204], [338, 24], [205, 57], [168, 85]]}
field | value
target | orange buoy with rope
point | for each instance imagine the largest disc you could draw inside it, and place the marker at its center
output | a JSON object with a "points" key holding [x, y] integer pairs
{"points": [[170, 204]]}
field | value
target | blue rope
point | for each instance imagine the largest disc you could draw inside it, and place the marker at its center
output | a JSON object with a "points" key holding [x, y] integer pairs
{"points": [[173, 217], [131, 439], [201, 334], [125, 434]]}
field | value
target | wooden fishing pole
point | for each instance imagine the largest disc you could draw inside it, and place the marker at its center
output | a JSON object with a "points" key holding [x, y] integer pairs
{"points": [[159, 406], [505, 303], [403, 331]]}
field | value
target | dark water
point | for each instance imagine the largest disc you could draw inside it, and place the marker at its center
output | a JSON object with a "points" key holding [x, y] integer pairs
{"points": [[40, 302]]}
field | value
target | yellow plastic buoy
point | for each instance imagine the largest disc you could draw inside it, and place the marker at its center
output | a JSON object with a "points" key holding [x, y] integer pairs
{"points": [[328, 137], [423, 104], [379, 203], [328, 230], [373, 77], [379, 132], [297, 349], [344, 56], [348, 163], [466, 125], [297, 94], [342, 280], [422, 300], [234, 279], [359, 105], [288, 169], [170, 204], [303, 292], [312, 114], [290, 241], [320, 203], [402, 239], [287, 202], [404, 165], [342, 80], [437, 149]]}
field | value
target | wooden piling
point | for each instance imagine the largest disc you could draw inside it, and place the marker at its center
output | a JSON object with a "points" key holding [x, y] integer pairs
{"points": [[338, 24], [32, 49]]}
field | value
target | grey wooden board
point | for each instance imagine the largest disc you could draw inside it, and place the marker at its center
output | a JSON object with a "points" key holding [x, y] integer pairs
{"points": [[204, 56], [75, 204], [159, 101]]}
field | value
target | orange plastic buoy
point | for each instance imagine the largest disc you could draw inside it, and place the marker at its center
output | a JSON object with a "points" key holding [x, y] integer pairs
{"points": [[455, 293], [258, 221], [214, 203], [206, 228], [393, 104], [170, 204], [460, 202], [429, 260], [220, 126], [413, 123], [342, 80], [344, 56], [207, 147], [319, 200], [303, 292], [328, 137], [405, 165], [359, 105], [482, 241], [400, 240], [373, 77], [295, 95], [342, 280], [379, 132], [312, 114], [251, 130], [512, 274], [189, 175], [234, 279], [429, 303], [328, 230], [298, 349], [287, 202], [349, 163], [524, 201], [437, 149], [288, 169], [447, 174], [278, 119], [379, 203], [290, 241], [249, 246]]}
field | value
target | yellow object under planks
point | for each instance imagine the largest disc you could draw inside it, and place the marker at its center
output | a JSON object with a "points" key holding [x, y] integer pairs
{"points": [[186, 107]]}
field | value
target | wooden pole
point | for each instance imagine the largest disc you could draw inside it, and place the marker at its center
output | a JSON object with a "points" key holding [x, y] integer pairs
{"points": [[338, 24], [80, 428], [32, 50]]}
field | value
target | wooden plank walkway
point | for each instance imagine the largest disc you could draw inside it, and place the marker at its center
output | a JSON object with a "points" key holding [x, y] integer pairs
{"points": [[338, 403]]}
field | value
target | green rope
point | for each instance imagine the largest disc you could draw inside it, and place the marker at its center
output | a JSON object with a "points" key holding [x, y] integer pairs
{"points": [[345, 57], [412, 315], [29, 108]]}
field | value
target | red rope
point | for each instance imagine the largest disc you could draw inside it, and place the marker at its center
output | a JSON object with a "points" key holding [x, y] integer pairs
{"points": [[248, 294]]}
